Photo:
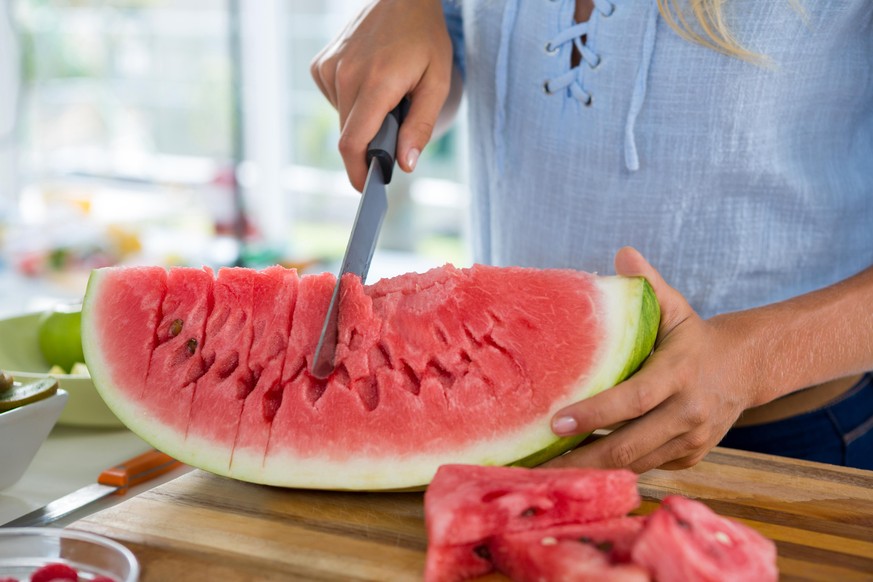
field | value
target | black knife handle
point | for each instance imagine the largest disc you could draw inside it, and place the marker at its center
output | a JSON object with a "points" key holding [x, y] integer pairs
{"points": [[384, 145]]}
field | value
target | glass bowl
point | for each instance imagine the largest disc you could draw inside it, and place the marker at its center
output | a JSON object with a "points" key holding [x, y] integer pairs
{"points": [[24, 550]]}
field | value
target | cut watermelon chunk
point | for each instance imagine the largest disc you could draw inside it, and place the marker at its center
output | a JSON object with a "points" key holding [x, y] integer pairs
{"points": [[449, 366], [685, 541], [467, 506], [599, 550], [475, 526], [613, 538]]}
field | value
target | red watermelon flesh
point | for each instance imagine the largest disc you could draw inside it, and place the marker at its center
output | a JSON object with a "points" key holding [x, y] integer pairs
{"points": [[454, 365], [685, 541], [613, 538], [456, 563], [595, 551], [530, 555], [682, 540], [467, 504]]}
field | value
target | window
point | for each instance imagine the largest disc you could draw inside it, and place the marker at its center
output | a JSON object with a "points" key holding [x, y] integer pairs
{"points": [[134, 114]]}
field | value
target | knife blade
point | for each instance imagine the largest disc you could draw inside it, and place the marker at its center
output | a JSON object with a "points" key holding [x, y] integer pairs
{"points": [[365, 231], [115, 480]]}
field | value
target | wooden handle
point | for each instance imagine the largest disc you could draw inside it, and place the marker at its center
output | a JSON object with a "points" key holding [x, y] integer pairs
{"points": [[137, 470]]}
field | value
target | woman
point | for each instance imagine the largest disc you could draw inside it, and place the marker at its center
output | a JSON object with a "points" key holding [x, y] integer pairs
{"points": [[732, 144]]}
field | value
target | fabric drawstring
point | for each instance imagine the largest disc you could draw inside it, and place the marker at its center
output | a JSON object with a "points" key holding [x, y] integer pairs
{"points": [[572, 79], [631, 155], [501, 81]]}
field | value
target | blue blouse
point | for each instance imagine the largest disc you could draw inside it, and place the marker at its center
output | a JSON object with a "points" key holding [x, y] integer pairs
{"points": [[743, 184]]}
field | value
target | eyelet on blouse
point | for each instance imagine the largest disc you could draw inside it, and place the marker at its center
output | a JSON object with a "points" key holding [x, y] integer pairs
{"points": [[551, 49], [609, 10], [547, 88]]}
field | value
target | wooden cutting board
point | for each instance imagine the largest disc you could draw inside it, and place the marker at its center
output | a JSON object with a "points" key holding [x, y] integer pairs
{"points": [[204, 527]]}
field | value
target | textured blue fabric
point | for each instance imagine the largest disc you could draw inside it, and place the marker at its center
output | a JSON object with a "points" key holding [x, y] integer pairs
{"points": [[743, 184]]}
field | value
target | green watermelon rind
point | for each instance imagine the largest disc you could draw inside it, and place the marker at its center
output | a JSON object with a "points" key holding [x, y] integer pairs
{"points": [[632, 319], [640, 337]]}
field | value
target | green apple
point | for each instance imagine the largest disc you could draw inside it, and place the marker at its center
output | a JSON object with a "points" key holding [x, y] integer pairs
{"points": [[60, 336]]}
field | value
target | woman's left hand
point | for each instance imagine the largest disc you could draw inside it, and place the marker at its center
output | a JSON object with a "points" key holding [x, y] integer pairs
{"points": [[679, 404]]}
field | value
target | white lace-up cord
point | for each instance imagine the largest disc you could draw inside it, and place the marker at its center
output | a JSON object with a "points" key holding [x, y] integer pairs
{"points": [[631, 155], [572, 79]]}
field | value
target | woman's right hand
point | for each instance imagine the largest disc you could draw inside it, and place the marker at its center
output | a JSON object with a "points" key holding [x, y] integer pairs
{"points": [[392, 49]]}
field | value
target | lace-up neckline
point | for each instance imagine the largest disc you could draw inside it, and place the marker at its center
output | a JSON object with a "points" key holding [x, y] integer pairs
{"points": [[573, 81], [577, 34]]}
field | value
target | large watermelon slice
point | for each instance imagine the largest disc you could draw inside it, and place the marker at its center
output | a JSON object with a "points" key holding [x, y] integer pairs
{"points": [[449, 366]]}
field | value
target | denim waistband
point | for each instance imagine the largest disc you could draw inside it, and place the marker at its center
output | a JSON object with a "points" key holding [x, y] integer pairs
{"points": [[835, 425]]}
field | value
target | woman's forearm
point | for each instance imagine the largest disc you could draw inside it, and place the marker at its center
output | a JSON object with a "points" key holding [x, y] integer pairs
{"points": [[803, 341]]}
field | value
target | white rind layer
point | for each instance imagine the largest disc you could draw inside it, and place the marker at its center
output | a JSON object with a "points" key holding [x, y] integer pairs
{"points": [[622, 300]]}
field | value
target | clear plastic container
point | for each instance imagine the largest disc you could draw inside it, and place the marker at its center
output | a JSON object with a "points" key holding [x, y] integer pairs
{"points": [[24, 550]]}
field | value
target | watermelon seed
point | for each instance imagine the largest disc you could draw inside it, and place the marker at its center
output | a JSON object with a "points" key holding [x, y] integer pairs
{"points": [[604, 547], [529, 512], [176, 327], [191, 346], [483, 552], [723, 538], [549, 541]]}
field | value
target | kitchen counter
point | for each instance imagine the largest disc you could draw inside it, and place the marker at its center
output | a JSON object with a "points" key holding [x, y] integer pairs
{"points": [[204, 527]]}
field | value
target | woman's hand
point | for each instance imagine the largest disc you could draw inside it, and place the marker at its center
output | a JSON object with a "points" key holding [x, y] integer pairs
{"points": [[394, 48], [678, 405]]}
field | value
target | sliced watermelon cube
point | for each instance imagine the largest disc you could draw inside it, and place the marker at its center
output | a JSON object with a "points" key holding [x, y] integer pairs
{"points": [[466, 506], [685, 541], [467, 503]]}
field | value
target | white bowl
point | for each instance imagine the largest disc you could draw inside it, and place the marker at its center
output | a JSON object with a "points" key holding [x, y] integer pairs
{"points": [[23, 550], [22, 432], [20, 356]]}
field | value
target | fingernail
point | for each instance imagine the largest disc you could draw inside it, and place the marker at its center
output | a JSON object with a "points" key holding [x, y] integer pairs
{"points": [[564, 425], [412, 158]]}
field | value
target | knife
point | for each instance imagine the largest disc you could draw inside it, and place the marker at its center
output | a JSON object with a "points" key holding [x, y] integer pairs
{"points": [[365, 231], [115, 480]]}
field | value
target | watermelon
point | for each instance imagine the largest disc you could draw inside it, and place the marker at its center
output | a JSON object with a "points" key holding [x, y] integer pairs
{"points": [[613, 538], [467, 506], [685, 541], [448, 366], [574, 528], [599, 550]]}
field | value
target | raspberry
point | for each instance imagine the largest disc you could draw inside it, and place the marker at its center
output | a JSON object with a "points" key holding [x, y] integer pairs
{"points": [[55, 573], [8, 579]]}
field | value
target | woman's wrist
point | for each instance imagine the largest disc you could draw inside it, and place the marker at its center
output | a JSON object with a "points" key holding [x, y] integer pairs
{"points": [[801, 342]]}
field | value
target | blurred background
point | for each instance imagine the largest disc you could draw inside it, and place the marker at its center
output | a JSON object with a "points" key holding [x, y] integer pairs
{"points": [[189, 132]]}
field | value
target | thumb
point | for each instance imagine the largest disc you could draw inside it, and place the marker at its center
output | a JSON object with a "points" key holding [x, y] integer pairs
{"points": [[674, 308]]}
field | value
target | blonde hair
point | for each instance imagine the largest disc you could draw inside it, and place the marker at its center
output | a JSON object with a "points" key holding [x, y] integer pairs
{"points": [[714, 31]]}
